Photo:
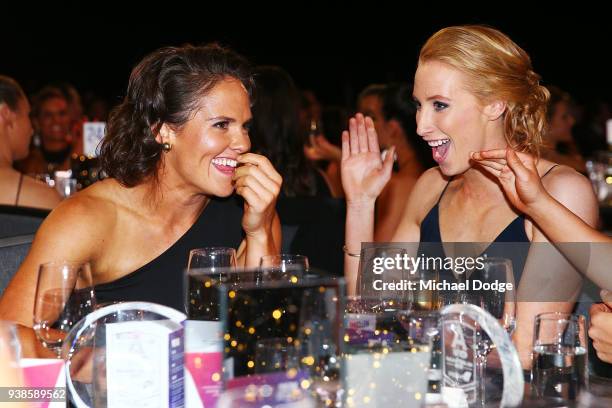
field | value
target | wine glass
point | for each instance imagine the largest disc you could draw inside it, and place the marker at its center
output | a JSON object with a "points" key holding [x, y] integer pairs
{"points": [[64, 295], [202, 300], [212, 257], [285, 262], [500, 303], [66, 186], [382, 278]]}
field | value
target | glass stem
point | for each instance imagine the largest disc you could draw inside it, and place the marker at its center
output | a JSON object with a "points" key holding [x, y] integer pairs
{"points": [[482, 365]]}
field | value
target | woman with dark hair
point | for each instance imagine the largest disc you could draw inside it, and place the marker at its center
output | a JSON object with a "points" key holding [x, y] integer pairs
{"points": [[175, 145], [311, 219]]}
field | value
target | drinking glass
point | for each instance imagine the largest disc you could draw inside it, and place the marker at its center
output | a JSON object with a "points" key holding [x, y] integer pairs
{"points": [[500, 304], [202, 299], [285, 262], [64, 295], [382, 279], [559, 355], [212, 257], [424, 330], [66, 186], [318, 351], [10, 354]]}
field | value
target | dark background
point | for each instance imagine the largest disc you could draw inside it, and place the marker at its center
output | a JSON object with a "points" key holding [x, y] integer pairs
{"points": [[333, 49]]}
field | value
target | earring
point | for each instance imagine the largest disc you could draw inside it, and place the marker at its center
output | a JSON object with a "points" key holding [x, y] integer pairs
{"points": [[166, 147]]}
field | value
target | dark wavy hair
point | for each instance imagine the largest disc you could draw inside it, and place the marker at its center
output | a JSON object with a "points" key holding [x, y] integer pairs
{"points": [[397, 103], [275, 130], [164, 88], [10, 92]]}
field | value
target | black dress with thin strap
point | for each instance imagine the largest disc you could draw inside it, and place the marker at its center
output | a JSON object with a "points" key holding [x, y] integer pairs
{"points": [[161, 280], [500, 247]]}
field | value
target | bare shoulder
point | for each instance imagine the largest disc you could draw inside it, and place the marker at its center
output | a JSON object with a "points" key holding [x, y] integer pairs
{"points": [[82, 219], [566, 178], [571, 189], [75, 230], [429, 176], [35, 193]]}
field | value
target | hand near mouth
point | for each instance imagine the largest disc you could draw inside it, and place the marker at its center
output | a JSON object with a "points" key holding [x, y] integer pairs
{"points": [[259, 183]]}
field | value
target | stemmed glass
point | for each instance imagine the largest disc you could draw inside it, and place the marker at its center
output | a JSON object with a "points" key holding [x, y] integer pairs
{"points": [[377, 276], [202, 300], [212, 257], [285, 262], [64, 295], [500, 304]]}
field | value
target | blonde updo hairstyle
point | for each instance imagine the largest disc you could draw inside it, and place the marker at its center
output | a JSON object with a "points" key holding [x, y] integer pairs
{"points": [[496, 69]]}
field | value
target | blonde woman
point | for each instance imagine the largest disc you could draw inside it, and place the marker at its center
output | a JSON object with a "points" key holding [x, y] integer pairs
{"points": [[475, 90]]}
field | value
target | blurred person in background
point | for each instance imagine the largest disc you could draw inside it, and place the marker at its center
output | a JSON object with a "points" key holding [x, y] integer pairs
{"points": [[311, 219], [323, 148], [393, 112], [276, 133], [310, 110], [559, 144], [15, 134], [53, 125], [590, 131], [76, 113]]}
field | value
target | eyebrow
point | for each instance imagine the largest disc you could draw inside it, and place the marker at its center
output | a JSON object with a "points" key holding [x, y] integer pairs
{"points": [[221, 118], [437, 97], [432, 98], [230, 120]]}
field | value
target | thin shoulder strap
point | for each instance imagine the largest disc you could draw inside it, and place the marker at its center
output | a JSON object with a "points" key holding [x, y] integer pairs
{"points": [[19, 188], [549, 170], [443, 191]]}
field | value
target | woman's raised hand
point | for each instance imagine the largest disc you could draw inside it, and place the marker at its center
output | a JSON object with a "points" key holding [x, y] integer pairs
{"points": [[364, 174]]}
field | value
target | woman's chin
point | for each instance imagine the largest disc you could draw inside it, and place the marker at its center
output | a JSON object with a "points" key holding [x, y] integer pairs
{"points": [[450, 169]]}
